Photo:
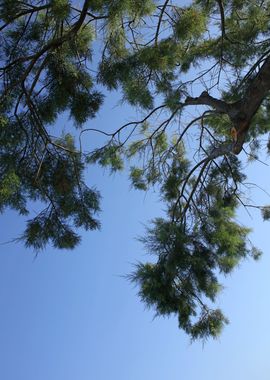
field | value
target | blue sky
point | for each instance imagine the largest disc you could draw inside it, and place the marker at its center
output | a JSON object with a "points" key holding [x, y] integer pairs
{"points": [[72, 315]]}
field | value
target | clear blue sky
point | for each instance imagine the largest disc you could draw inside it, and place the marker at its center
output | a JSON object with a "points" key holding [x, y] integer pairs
{"points": [[71, 315]]}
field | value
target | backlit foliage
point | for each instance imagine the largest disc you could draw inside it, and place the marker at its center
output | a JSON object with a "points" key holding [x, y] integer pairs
{"points": [[197, 73]]}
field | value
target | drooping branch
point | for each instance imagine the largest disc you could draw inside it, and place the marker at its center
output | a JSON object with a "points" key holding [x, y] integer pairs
{"points": [[215, 153]]}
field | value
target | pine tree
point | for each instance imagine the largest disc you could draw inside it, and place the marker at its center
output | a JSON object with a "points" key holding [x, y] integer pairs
{"points": [[209, 59]]}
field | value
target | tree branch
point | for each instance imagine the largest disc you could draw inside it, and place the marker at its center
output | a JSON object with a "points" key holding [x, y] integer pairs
{"points": [[208, 100]]}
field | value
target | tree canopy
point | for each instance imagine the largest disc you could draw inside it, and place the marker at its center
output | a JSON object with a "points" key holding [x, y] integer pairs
{"points": [[199, 74]]}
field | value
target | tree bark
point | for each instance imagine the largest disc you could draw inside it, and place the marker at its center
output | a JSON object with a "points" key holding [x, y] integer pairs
{"points": [[241, 112]]}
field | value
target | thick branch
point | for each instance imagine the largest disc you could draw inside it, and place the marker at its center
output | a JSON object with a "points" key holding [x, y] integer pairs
{"points": [[208, 100], [257, 91], [241, 112]]}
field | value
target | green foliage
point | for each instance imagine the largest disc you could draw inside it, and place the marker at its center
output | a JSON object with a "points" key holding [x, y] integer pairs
{"points": [[266, 212], [8, 8], [56, 58], [137, 93], [133, 8], [60, 9], [137, 178], [81, 41], [109, 156], [190, 23], [135, 147], [185, 273], [191, 255], [40, 230], [9, 186], [256, 253], [84, 105], [178, 170]]}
